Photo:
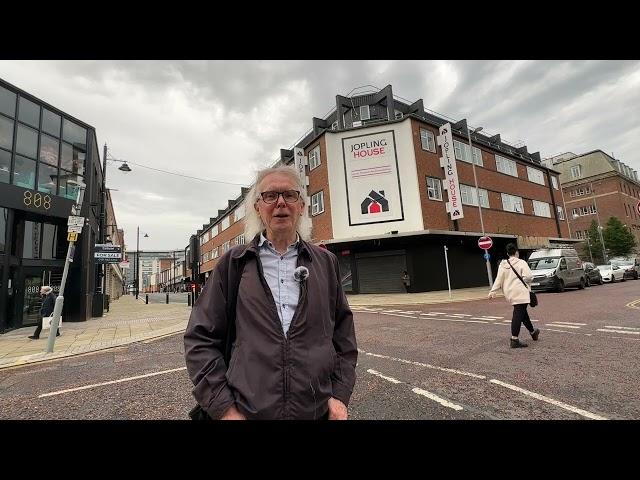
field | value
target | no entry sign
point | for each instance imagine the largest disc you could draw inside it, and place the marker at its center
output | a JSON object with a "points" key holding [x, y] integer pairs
{"points": [[485, 243]]}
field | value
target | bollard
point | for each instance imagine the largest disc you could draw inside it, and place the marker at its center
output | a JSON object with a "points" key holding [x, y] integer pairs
{"points": [[147, 300], [167, 299], [188, 299]]}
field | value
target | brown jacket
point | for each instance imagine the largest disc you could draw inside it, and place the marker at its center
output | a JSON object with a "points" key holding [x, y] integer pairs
{"points": [[270, 375]]}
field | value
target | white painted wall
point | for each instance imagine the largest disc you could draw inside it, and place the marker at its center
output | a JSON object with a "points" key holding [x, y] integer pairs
{"points": [[408, 176]]}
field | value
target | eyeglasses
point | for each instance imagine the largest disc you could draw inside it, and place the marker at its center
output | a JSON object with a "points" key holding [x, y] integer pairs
{"points": [[289, 196]]}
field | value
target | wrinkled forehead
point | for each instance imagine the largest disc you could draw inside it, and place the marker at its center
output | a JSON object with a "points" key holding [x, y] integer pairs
{"points": [[277, 182]]}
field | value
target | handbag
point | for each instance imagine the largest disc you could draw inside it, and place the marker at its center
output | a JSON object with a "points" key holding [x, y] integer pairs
{"points": [[46, 322], [533, 298]]}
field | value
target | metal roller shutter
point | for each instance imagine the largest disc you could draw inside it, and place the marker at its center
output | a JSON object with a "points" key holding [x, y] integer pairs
{"points": [[381, 274]]}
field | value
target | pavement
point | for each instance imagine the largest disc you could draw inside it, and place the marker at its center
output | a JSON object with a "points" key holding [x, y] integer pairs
{"points": [[130, 320]]}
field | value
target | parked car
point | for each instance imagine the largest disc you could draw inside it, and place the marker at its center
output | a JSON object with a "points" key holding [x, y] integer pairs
{"points": [[556, 268], [611, 273], [630, 265], [593, 274]]}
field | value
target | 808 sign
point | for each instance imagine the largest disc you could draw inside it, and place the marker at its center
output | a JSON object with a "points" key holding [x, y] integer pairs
{"points": [[36, 199]]}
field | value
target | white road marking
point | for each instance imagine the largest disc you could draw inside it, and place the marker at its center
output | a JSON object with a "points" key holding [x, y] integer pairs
{"points": [[412, 311], [436, 398], [563, 331], [429, 314], [482, 318], [625, 328], [392, 380], [441, 319], [419, 391], [394, 311], [557, 403], [437, 313], [561, 326], [128, 379], [459, 315], [570, 323], [489, 316], [420, 364], [617, 331], [397, 315]]}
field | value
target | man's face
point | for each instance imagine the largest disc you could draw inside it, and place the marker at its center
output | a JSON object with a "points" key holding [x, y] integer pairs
{"points": [[279, 217]]}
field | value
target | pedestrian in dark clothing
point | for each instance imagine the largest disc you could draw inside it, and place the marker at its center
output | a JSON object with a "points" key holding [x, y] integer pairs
{"points": [[406, 280], [46, 310], [294, 354]]}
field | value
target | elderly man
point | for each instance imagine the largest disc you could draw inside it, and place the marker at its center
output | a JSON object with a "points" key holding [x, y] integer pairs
{"points": [[294, 347], [46, 310]]}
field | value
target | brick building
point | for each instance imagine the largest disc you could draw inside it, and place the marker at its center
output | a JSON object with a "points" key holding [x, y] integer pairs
{"points": [[377, 198], [596, 186]]}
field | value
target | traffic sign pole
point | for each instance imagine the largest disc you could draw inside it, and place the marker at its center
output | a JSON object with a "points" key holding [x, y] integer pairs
{"points": [[486, 243]]}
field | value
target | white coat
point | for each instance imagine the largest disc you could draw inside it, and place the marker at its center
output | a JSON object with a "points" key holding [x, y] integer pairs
{"points": [[513, 289]]}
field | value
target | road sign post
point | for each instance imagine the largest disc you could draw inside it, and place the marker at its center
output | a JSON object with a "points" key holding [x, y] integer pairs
{"points": [[57, 309], [486, 243]]}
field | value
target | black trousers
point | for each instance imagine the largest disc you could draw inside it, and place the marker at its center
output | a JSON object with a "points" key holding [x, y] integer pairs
{"points": [[39, 329], [520, 316]]}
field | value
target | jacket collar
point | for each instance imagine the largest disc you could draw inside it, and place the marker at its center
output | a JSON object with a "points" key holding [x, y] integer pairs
{"points": [[254, 248]]}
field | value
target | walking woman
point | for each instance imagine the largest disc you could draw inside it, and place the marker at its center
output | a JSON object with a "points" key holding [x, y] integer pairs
{"points": [[516, 291]]}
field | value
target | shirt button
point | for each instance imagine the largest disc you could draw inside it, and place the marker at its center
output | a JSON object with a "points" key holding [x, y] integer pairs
{"points": [[281, 258], [282, 280]]}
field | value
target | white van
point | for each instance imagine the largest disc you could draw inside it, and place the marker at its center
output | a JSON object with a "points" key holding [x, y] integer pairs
{"points": [[556, 268]]}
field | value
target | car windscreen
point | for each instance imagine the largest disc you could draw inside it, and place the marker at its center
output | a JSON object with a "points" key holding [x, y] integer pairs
{"points": [[621, 263], [604, 267], [543, 263]]}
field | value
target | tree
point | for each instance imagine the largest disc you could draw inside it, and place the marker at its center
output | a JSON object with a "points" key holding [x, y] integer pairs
{"points": [[593, 237], [619, 240]]}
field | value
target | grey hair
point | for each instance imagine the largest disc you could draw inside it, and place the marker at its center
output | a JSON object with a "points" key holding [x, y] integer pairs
{"points": [[253, 224], [46, 289]]}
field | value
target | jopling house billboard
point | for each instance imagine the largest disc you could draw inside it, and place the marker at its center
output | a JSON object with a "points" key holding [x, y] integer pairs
{"points": [[372, 180], [450, 182]]}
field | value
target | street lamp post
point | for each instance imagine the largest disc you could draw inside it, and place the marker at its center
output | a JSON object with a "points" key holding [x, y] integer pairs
{"points": [[600, 228], [137, 274], [475, 179]]}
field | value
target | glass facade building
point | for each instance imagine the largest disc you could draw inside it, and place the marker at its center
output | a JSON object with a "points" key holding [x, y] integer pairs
{"points": [[45, 155]]}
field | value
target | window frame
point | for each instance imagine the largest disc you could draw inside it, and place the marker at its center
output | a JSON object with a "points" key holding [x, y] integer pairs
{"points": [[536, 172], [502, 161], [430, 138], [438, 182], [315, 203], [315, 154], [544, 206], [506, 196]]}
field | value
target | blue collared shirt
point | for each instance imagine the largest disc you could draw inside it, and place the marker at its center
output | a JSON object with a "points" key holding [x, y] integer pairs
{"points": [[278, 272]]}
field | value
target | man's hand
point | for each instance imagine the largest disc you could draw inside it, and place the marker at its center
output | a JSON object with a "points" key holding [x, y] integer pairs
{"points": [[492, 295], [337, 410], [232, 413]]}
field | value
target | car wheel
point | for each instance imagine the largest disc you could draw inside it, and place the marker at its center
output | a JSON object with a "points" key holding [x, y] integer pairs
{"points": [[623, 278], [588, 282], [613, 278], [635, 275], [600, 282], [582, 283], [560, 286]]}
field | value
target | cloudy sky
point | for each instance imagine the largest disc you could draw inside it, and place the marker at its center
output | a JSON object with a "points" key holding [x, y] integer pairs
{"points": [[223, 120]]}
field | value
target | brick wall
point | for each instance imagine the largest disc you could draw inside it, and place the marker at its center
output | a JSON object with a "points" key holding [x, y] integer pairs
{"points": [[319, 180]]}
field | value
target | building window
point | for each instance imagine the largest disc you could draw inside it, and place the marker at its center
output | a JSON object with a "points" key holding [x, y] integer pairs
{"points": [[535, 175], [461, 151], [626, 210], [560, 212], [225, 246], [554, 182], [4, 217], [7, 102], [314, 157], [541, 209], [27, 142], [427, 139], [47, 178], [512, 203], [215, 252], [29, 112], [51, 123], [364, 112], [72, 158], [225, 223], [6, 133], [504, 165], [240, 239], [469, 196], [317, 203], [5, 166], [434, 188], [24, 174], [239, 213], [576, 171]]}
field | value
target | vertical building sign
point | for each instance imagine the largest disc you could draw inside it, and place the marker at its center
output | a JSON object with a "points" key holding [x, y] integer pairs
{"points": [[300, 162], [450, 182], [372, 180]]}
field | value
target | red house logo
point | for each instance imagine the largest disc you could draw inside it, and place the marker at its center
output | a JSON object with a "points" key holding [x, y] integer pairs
{"points": [[375, 202]]}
